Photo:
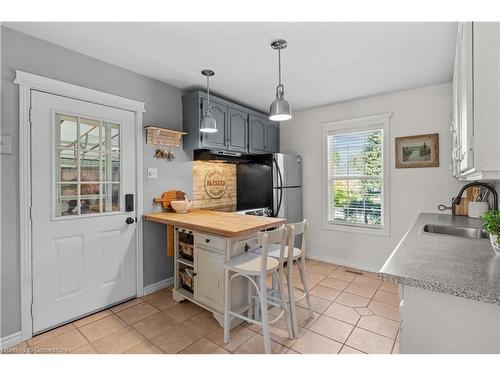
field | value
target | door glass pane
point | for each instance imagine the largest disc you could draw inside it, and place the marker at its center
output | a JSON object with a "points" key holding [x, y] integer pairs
{"points": [[90, 163], [111, 166], [67, 165], [89, 134], [67, 130], [90, 198], [88, 166], [111, 137], [111, 198], [67, 198]]}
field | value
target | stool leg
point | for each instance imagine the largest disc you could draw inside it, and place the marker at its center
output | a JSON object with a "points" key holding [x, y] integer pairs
{"points": [[285, 306], [263, 311], [291, 298], [256, 310], [227, 306], [250, 312], [303, 278]]}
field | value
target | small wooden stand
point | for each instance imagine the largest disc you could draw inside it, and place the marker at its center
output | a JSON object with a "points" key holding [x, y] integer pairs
{"points": [[165, 199]]}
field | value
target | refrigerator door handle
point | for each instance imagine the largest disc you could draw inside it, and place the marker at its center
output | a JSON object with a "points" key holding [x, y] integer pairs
{"points": [[280, 188]]}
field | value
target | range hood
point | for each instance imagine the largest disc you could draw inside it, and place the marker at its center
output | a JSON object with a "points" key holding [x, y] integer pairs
{"points": [[219, 156]]}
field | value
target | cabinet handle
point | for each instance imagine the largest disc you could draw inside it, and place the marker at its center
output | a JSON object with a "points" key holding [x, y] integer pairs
{"points": [[207, 240]]}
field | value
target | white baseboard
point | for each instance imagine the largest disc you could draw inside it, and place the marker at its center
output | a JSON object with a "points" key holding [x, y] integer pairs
{"points": [[10, 340], [162, 284], [343, 262]]}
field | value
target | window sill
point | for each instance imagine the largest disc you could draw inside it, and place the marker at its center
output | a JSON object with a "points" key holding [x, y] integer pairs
{"points": [[383, 231]]}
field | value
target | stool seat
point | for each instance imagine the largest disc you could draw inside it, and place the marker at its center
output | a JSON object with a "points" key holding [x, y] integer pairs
{"points": [[249, 263], [274, 251]]}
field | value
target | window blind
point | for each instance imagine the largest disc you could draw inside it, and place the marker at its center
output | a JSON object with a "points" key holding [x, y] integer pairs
{"points": [[355, 178]]}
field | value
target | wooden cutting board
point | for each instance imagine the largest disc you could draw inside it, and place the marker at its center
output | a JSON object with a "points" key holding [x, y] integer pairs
{"points": [[462, 209], [168, 196]]}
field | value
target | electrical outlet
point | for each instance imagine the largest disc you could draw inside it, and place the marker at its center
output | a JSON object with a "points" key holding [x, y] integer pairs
{"points": [[152, 172]]}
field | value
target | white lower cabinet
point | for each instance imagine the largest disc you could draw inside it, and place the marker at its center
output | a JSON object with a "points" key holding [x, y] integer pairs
{"points": [[438, 323], [209, 278], [202, 256]]}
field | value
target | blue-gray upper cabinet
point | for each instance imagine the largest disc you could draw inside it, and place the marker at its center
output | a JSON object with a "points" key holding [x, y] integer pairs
{"points": [[220, 114], [257, 132], [237, 130], [272, 140]]}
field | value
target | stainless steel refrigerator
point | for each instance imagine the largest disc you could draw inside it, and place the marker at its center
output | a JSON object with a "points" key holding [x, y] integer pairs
{"points": [[287, 187]]}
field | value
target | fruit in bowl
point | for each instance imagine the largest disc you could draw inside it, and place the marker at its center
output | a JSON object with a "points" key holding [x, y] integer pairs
{"points": [[181, 207]]}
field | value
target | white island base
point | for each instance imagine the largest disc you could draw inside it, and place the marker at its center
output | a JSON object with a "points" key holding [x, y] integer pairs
{"points": [[210, 252]]}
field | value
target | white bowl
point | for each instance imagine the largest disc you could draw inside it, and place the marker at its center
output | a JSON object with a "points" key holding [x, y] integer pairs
{"points": [[180, 207]]}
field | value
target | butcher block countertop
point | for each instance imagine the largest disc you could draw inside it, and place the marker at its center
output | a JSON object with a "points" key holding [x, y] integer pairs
{"points": [[225, 224]]}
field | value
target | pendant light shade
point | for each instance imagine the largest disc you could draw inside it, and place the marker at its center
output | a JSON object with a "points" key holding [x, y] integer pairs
{"points": [[280, 108], [208, 123]]}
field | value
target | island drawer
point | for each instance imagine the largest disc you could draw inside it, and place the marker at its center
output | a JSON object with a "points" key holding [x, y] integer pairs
{"points": [[245, 245], [210, 241]]}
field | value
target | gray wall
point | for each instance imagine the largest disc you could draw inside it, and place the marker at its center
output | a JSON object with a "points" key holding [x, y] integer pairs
{"points": [[163, 107], [412, 190]]}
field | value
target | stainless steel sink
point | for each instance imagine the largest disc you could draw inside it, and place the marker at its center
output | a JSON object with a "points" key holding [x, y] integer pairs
{"points": [[450, 230]]}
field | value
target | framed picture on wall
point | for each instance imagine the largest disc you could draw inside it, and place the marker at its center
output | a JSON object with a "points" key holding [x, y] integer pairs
{"points": [[417, 151]]}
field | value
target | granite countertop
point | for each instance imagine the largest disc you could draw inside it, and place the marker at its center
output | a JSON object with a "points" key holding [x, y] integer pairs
{"points": [[454, 265]]}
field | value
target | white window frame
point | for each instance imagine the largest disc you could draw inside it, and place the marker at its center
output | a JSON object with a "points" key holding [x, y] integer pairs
{"points": [[381, 121]]}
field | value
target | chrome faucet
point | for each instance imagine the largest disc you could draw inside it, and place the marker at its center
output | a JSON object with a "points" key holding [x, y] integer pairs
{"points": [[489, 187]]}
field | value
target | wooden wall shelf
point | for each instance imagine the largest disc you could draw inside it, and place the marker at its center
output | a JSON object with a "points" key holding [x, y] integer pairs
{"points": [[163, 137]]}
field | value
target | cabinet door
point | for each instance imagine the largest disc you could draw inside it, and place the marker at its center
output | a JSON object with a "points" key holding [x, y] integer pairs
{"points": [[455, 115], [466, 129], [257, 130], [237, 130], [272, 141], [215, 140], [209, 279]]}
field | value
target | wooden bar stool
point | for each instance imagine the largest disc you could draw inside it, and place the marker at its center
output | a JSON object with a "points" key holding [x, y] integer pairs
{"points": [[298, 255], [256, 267]]}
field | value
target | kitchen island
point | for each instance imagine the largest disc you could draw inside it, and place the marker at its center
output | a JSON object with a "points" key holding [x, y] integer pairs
{"points": [[203, 240], [449, 287]]}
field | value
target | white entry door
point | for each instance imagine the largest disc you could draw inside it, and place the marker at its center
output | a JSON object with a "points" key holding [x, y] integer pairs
{"points": [[83, 244]]}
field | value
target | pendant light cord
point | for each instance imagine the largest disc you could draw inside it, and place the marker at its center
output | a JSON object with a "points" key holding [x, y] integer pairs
{"points": [[279, 89], [279, 66], [208, 93]]}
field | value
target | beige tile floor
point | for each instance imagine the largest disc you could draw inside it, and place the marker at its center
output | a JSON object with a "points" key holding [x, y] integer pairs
{"points": [[354, 313]]}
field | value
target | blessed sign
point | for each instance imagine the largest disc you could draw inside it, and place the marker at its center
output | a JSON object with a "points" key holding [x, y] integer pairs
{"points": [[215, 183]]}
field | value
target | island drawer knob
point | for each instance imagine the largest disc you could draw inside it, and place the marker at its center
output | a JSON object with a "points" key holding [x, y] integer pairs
{"points": [[207, 240]]}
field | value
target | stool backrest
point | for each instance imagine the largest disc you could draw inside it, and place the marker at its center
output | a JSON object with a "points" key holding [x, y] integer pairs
{"points": [[294, 230], [271, 237]]}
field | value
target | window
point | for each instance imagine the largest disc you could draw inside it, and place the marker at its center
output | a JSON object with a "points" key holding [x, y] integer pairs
{"points": [[356, 183], [87, 178]]}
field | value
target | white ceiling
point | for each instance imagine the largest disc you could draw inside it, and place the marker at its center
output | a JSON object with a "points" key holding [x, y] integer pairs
{"points": [[324, 62]]}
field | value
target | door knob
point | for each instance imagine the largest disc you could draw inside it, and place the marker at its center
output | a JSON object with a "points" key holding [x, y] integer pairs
{"points": [[130, 220]]}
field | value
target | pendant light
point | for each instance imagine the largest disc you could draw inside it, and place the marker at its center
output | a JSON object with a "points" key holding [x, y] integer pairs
{"points": [[208, 123], [280, 108]]}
